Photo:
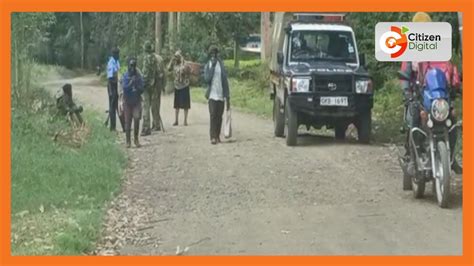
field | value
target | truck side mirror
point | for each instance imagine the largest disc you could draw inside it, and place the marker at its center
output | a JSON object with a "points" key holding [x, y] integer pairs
{"points": [[362, 61], [280, 57]]}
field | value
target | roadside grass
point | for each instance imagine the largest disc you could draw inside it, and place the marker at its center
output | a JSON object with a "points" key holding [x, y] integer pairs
{"points": [[387, 113], [59, 192]]}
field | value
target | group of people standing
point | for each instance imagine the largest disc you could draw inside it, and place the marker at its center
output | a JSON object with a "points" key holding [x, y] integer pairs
{"points": [[139, 91]]}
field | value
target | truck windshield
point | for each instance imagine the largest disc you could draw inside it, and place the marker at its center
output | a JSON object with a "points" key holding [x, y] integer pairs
{"points": [[322, 46]]}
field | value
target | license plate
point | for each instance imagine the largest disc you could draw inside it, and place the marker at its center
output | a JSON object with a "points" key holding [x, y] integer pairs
{"points": [[334, 101]]}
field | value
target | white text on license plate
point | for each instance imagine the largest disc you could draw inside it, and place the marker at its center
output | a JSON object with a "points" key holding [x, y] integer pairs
{"points": [[334, 101]]}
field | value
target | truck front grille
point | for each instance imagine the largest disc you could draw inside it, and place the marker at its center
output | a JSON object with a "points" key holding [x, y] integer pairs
{"points": [[338, 83]]}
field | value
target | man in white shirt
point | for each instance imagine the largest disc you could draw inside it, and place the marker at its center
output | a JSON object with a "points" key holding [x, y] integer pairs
{"points": [[217, 92]]}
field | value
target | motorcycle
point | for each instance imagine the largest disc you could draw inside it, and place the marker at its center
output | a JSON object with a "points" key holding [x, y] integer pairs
{"points": [[428, 146]]}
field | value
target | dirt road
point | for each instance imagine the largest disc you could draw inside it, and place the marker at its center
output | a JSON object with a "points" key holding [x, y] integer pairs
{"points": [[254, 195]]}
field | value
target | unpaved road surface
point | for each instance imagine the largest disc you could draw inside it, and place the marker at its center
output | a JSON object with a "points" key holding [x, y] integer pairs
{"points": [[252, 195]]}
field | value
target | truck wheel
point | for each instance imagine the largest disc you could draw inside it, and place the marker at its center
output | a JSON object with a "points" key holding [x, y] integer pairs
{"points": [[364, 127], [291, 125], [278, 119], [340, 131]]}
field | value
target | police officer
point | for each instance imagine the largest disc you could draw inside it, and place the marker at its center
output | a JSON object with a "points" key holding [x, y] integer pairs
{"points": [[113, 67]]}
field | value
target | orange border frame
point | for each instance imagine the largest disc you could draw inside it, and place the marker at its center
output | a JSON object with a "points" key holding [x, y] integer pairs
{"points": [[8, 6]]}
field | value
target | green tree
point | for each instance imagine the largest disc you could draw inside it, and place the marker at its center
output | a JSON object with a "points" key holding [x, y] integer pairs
{"points": [[29, 32]]}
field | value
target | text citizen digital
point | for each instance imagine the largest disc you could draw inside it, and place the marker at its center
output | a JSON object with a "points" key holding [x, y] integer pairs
{"points": [[421, 41]]}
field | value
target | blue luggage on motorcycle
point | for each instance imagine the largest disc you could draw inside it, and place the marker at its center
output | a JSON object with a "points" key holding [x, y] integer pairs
{"points": [[436, 87]]}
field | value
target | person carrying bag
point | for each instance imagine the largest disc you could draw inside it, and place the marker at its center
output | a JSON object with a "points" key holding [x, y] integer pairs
{"points": [[228, 124], [217, 95]]}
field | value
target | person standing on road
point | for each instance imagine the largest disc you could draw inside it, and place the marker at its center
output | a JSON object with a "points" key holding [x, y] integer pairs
{"points": [[217, 92], [153, 79], [113, 67], [182, 98], [132, 84]]}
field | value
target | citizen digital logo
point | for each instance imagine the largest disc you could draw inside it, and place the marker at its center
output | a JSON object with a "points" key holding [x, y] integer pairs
{"points": [[413, 41], [424, 37]]}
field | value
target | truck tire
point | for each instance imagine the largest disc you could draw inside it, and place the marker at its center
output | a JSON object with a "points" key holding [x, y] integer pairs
{"points": [[291, 125], [278, 119], [364, 127], [340, 132]]}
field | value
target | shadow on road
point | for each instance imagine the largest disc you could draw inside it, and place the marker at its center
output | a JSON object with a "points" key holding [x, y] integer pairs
{"points": [[310, 139]]}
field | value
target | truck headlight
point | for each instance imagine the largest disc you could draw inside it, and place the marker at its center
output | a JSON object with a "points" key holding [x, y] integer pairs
{"points": [[300, 85], [440, 109], [363, 86]]}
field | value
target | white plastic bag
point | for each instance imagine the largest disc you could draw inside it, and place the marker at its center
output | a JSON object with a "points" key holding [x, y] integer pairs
{"points": [[227, 124]]}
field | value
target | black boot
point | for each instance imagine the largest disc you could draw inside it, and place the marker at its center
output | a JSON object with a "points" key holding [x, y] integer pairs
{"points": [[146, 132], [136, 128], [128, 138]]}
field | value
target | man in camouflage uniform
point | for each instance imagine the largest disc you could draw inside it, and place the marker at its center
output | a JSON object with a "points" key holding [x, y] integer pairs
{"points": [[154, 83]]}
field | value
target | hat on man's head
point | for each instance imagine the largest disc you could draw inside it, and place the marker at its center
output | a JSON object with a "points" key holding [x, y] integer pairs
{"points": [[115, 50], [148, 46], [67, 88], [213, 49], [132, 61], [421, 17], [178, 53]]}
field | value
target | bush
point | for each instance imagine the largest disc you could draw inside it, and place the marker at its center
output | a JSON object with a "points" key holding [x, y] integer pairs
{"points": [[388, 112]]}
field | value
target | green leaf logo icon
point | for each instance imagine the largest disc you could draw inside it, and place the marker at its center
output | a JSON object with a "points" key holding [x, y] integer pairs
{"points": [[404, 29]]}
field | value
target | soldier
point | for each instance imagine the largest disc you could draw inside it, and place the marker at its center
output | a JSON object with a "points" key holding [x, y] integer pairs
{"points": [[67, 106], [153, 77]]}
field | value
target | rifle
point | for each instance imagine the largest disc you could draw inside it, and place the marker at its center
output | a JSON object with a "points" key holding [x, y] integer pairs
{"points": [[121, 120]]}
